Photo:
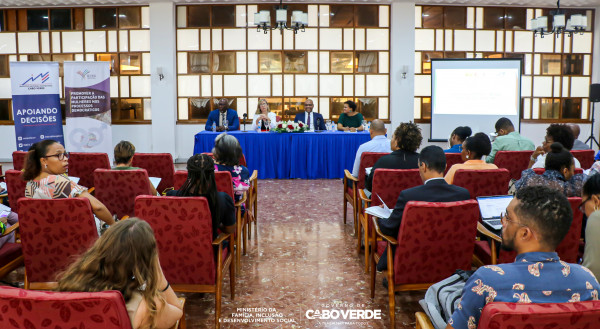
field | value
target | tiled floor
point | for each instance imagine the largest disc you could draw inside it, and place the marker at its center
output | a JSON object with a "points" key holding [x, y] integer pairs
{"points": [[301, 258]]}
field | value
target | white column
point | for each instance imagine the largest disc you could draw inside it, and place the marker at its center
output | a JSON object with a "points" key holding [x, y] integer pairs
{"points": [[402, 53], [164, 92]]}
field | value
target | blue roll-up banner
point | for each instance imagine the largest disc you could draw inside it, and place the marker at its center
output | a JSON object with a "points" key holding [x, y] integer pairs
{"points": [[35, 102]]}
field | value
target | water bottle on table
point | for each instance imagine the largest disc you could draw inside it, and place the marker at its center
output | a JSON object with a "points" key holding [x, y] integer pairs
{"points": [[214, 127], [258, 126]]}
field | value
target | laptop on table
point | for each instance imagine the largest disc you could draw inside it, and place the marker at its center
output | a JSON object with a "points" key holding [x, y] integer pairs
{"points": [[491, 209]]}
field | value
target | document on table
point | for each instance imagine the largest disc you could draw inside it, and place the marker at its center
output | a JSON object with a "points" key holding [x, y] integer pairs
{"points": [[155, 181], [378, 211], [3, 189]]}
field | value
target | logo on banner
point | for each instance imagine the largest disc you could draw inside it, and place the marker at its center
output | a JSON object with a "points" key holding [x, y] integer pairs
{"points": [[86, 74], [40, 81]]}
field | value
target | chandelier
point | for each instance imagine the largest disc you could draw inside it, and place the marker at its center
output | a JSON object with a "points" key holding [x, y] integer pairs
{"points": [[262, 20], [576, 23]]}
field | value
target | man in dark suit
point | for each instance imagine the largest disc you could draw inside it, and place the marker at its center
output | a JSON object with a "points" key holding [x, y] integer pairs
{"points": [[312, 119], [221, 114], [432, 163]]}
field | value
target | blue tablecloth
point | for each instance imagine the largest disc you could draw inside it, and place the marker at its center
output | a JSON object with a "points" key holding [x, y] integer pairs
{"points": [[293, 155]]}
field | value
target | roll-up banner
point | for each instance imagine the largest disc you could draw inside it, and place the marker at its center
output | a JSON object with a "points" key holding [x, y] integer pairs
{"points": [[87, 96], [36, 102]]}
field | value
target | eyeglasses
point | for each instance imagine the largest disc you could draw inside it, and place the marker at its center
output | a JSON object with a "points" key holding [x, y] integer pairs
{"points": [[59, 156], [504, 218]]}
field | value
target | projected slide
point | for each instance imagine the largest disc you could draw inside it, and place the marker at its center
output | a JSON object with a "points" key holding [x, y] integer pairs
{"points": [[473, 92]]}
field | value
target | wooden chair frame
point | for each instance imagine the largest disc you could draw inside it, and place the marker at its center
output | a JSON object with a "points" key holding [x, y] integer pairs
{"points": [[240, 226], [363, 224], [252, 204], [351, 198]]}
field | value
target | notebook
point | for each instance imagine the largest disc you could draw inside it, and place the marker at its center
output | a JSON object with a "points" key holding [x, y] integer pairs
{"points": [[491, 208]]}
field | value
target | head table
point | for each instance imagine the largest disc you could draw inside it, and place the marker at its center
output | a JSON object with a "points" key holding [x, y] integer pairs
{"points": [[308, 155]]}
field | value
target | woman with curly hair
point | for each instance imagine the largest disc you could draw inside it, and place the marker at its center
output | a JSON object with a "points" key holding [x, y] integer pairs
{"points": [[125, 259], [405, 143], [474, 148]]}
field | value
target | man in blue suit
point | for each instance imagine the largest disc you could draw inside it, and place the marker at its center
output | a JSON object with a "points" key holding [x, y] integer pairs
{"points": [[221, 114], [313, 120]]}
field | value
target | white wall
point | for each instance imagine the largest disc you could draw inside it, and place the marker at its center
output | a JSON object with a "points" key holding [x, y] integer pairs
{"points": [[402, 53]]}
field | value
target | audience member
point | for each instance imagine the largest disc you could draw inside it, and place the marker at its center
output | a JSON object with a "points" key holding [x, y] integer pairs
{"points": [[577, 144], [6, 222], [123, 153], [350, 120], [227, 153], [457, 138], [267, 118], [45, 166], [432, 163], [312, 119], [125, 259], [378, 143], [201, 182], [559, 174], [224, 118], [590, 205], [473, 150], [556, 132], [404, 144], [508, 140], [535, 222]]}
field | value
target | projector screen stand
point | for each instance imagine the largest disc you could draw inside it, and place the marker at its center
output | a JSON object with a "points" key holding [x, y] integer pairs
{"points": [[592, 138]]}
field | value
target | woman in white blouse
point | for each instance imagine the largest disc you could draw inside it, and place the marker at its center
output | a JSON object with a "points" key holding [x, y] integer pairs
{"points": [[264, 115]]}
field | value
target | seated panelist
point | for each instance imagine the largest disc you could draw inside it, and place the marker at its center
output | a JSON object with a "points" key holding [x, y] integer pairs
{"points": [[350, 120], [266, 117], [312, 119], [224, 118]]}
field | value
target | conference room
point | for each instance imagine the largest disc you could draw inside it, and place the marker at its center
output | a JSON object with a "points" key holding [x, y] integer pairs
{"points": [[298, 87]]}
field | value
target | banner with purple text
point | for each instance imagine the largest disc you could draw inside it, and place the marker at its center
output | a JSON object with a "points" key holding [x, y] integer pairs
{"points": [[35, 103], [87, 96]]}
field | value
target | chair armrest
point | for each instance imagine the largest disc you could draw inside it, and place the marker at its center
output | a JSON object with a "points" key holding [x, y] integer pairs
{"points": [[483, 230], [254, 175], [222, 237], [349, 176], [363, 196], [10, 230], [423, 321], [242, 200], [383, 236]]}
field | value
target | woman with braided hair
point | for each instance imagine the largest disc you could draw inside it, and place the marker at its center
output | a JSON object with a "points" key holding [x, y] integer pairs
{"points": [[201, 182]]}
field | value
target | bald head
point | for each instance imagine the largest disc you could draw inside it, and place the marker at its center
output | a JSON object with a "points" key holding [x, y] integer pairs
{"points": [[377, 128], [576, 130]]}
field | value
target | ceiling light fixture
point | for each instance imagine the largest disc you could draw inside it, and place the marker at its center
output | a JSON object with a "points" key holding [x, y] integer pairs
{"points": [[560, 24], [262, 20]]}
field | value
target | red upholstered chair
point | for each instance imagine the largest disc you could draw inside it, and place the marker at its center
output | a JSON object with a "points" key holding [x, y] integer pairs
{"points": [[224, 184], [183, 230], [44, 309], [533, 316], [83, 164], [387, 184], [514, 161], [585, 157], [434, 240], [19, 159], [179, 178], [11, 254], [452, 159], [352, 184], [157, 165], [15, 186], [483, 182], [486, 253], [117, 189], [52, 232]]}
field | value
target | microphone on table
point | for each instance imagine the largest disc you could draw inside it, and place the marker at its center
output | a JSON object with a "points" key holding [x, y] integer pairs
{"points": [[245, 116], [318, 124]]}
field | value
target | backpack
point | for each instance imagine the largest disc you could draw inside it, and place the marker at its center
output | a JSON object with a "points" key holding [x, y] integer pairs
{"points": [[441, 299]]}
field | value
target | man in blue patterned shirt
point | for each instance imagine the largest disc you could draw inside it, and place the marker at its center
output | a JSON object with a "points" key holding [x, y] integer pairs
{"points": [[535, 222]]}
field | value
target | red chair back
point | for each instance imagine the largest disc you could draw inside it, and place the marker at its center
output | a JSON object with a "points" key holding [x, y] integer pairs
{"points": [[179, 178], [19, 159], [15, 186], [242, 158], [388, 183], [514, 161], [367, 159], [540, 171], [434, 240], [183, 230], [157, 165], [52, 232], [541, 316], [585, 157], [38, 309], [483, 182], [117, 189], [224, 183], [452, 159], [83, 164]]}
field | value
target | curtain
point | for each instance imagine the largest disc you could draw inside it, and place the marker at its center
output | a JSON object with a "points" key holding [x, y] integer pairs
{"points": [[367, 62]]}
